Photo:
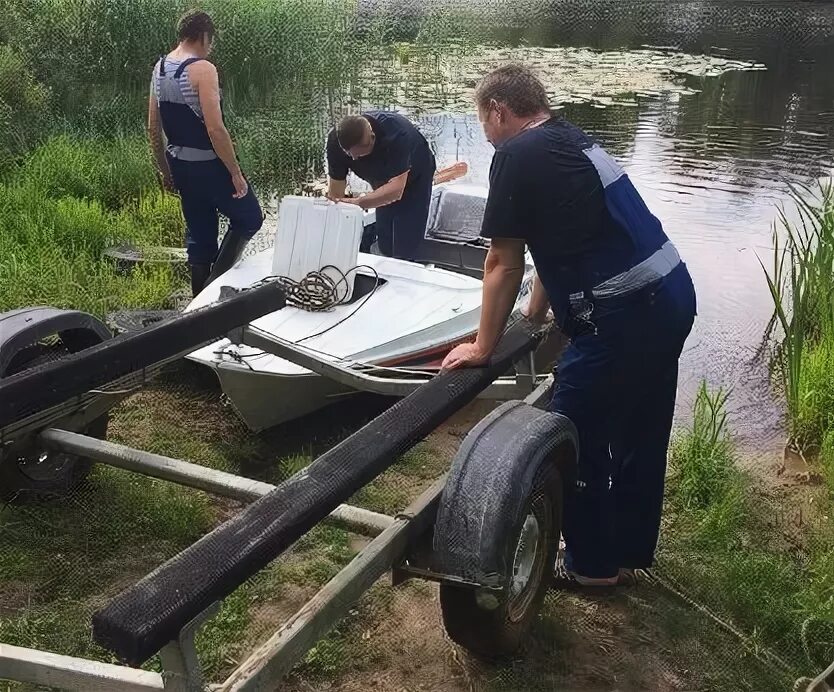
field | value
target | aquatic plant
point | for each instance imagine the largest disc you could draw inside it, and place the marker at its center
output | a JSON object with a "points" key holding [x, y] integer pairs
{"points": [[703, 458], [801, 284]]}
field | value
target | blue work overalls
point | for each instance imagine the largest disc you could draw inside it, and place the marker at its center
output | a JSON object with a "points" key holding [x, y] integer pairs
{"points": [[200, 176], [617, 379]]}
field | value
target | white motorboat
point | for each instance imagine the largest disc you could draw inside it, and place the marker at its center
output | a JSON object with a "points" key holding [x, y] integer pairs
{"points": [[394, 323]]}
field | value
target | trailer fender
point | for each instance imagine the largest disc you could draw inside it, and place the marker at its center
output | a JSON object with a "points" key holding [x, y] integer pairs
{"points": [[27, 326], [28, 472], [491, 477]]}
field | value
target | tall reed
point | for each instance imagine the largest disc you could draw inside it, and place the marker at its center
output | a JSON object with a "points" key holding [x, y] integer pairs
{"points": [[801, 285]]}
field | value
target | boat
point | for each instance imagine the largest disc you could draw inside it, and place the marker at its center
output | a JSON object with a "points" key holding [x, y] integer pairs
{"points": [[391, 326]]}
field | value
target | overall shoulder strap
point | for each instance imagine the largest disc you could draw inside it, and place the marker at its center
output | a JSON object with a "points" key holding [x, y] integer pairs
{"points": [[183, 65]]}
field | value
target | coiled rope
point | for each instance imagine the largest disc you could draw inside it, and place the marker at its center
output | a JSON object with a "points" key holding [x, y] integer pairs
{"points": [[317, 291]]}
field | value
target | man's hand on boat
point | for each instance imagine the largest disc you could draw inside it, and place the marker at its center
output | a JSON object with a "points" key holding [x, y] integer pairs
{"points": [[465, 356], [503, 273], [348, 200]]}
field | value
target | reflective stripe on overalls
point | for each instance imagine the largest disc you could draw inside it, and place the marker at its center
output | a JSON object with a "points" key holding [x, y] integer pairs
{"points": [[649, 271]]}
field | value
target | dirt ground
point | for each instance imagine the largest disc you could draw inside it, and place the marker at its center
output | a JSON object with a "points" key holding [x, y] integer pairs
{"points": [[640, 639], [393, 640]]}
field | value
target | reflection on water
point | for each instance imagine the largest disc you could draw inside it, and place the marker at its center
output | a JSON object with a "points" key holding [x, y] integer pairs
{"points": [[711, 164]]}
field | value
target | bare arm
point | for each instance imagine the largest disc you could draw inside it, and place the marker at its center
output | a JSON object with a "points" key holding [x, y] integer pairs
{"points": [[539, 304], [157, 143], [503, 271], [203, 77], [453, 172], [390, 192]]}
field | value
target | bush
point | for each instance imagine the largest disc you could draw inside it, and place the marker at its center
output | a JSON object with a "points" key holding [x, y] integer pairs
{"points": [[24, 107]]}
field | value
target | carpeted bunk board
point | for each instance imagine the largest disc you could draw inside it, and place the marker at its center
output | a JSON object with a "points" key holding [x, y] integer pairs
{"points": [[148, 615], [54, 383]]}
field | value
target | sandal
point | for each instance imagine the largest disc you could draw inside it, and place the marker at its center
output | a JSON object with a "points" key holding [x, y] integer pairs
{"points": [[567, 580]]}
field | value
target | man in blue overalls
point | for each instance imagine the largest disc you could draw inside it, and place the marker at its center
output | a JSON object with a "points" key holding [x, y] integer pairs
{"points": [[619, 291], [391, 154], [199, 161]]}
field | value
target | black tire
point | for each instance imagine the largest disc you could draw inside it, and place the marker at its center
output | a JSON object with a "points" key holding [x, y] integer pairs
{"points": [[30, 473], [500, 631]]}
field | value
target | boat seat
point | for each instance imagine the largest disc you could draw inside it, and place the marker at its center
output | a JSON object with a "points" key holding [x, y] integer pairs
{"points": [[455, 214]]}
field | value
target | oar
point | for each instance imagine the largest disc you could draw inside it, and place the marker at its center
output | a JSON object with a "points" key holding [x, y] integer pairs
{"points": [[453, 172]]}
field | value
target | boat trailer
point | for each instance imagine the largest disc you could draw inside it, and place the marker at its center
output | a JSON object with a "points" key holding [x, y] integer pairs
{"points": [[487, 531]]}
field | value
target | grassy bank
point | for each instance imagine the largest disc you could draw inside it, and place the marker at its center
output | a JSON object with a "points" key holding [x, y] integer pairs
{"points": [[68, 201], [72, 197], [724, 547], [726, 542]]}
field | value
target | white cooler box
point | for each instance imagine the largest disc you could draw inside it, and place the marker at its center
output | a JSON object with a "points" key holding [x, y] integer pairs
{"points": [[314, 233]]}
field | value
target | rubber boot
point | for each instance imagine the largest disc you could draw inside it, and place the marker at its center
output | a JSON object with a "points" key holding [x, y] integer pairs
{"points": [[230, 251], [199, 277]]}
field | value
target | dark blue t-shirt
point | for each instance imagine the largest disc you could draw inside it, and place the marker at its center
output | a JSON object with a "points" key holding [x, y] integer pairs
{"points": [[399, 147], [575, 207]]}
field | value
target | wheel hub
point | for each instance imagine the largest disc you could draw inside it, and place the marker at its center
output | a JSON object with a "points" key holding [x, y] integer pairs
{"points": [[41, 465], [525, 556]]}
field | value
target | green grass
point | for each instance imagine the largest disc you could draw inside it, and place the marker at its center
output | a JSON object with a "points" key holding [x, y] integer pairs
{"points": [[703, 458], [344, 649], [109, 171], [70, 200], [62, 560], [801, 284], [718, 544], [33, 535], [400, 485]]}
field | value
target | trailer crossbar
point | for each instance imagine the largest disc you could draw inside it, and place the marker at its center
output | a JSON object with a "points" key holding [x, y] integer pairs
{"points": [[195, 476]]}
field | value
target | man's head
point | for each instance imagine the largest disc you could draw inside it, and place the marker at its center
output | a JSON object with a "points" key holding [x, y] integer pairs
{"points": [[196, 31], [356, 136], [507, 99]]}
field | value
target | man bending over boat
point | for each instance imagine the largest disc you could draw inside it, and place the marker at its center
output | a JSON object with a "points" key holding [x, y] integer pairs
{"points": [[199, 161], [388, 152], [618, 290]]}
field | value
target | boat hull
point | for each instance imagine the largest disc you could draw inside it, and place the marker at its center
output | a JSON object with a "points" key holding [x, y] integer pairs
{"points": [[264, 400]]}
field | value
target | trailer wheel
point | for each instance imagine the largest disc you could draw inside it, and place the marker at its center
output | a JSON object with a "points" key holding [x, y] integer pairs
{"points": [[492, 626], [28, 472]]}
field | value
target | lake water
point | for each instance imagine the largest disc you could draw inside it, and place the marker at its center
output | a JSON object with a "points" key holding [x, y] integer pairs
{"points": [[711, 164]]}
